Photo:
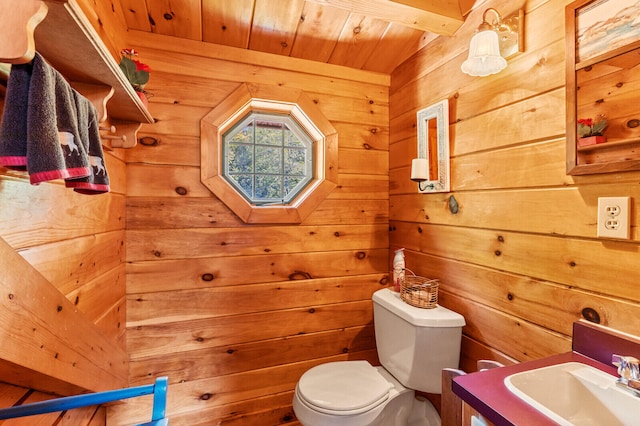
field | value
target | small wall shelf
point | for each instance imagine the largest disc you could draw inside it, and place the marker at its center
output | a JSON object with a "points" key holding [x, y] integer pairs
{"points": [[613, 143], [66, 39]]}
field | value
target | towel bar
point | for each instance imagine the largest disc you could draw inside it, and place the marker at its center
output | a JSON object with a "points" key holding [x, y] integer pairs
{"points": [[159, 391]]}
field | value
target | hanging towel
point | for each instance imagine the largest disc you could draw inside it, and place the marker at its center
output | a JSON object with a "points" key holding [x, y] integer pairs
{"points": [[89, 129], [54, 149], [13, 128]]}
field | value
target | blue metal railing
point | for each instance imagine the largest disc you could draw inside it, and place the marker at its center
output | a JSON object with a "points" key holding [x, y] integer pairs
{"points": [[159, 391]]}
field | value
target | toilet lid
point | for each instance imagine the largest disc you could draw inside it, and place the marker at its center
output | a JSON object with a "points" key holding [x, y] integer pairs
{"points": [[345, 387]]}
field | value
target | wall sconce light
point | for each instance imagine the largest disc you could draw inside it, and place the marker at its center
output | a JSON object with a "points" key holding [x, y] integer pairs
{"points": [[493, 42]]}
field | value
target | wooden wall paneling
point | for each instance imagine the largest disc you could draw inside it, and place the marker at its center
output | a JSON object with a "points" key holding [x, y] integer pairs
{"points": [[167, 149], [206, 242], [176, 274], [71, 263], [61, 342], [242, 413], [114, 162], [146, 212], [486, 170], [575, 215], [164, 181], [183, 366], [363, 161], [187, 65], [473, 351], [354, 135], [153, 337], [226, 59], [197, 91], [242, 299], [534, 118], [511, 335], [96, 297], [175, 119], [91, 215], [201, 395], [559, 271], [575, 262], [358, 187], [113, 323], [490, 169], [207, 290], [544, 27], [548, 304]]}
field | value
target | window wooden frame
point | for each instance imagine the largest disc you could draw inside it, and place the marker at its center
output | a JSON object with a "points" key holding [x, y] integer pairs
{"points": [[285, 101]]}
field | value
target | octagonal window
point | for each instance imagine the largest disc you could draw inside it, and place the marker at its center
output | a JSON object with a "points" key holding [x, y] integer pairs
{"points": [[267, 158]]}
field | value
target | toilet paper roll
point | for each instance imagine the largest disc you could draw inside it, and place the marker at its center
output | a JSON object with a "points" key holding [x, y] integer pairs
{"points": [[419, 169]]}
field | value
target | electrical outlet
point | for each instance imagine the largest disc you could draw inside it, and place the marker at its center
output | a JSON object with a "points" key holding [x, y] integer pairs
{"points": [[613, 217]]}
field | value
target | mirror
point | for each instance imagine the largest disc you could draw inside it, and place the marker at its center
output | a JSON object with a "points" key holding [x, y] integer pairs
{"points": [[603, 74], [431, 168]]}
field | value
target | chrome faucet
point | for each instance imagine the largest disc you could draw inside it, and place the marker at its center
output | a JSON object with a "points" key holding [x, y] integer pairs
{"points": [[629, 371]]}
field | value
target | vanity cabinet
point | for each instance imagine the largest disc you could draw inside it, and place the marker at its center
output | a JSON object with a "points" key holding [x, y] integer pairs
{"points": [[603, 82]]}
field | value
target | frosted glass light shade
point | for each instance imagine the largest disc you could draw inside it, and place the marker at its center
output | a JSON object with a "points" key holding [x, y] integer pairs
{"points": [[484, 55], [419, 169]]}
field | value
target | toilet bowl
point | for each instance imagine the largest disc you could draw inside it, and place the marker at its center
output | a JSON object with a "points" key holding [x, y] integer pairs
{"points": [[414, 345], [351, 393]]}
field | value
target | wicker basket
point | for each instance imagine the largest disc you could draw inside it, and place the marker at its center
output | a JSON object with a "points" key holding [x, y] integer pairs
{"points": [[419, 291]]}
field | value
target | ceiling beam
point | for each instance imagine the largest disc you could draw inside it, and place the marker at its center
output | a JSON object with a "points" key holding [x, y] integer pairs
{"points": [[435, 16]]}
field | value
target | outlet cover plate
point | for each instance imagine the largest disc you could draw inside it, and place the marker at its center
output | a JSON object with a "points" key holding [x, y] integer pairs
{"points": [[613, 217]]}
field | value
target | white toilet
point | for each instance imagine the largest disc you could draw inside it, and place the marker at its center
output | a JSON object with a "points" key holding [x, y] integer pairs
{"points": [[414, 345]]}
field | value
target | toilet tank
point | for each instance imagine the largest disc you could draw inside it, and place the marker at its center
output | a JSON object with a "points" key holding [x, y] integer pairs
{"points": [[415, 344]]}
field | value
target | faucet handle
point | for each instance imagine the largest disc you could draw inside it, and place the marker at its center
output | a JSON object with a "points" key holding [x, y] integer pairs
{"points": [[628, 367]]}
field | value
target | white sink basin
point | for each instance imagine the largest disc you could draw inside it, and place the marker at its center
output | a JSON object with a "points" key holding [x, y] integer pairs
{"points": [[576, 394]]}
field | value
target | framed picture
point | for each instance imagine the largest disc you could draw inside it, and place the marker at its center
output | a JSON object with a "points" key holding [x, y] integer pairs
{"points": [[605, 25]]}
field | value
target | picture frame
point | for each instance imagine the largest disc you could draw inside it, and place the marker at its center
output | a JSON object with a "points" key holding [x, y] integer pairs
{"points": [[605, 25]]}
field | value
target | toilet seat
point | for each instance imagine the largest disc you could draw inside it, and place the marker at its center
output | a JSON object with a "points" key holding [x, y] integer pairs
{"points": [[343, 388]]}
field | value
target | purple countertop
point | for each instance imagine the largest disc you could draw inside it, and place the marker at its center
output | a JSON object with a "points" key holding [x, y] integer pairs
{"points": [[486, 392]]}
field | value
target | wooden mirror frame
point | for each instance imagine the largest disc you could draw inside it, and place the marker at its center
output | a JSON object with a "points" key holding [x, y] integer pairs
{"points": [[620, 153]]}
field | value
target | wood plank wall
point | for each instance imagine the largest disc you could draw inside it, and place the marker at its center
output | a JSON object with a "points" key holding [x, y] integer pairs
{"points": [[520, 260], [77, 243], [235, 313]]}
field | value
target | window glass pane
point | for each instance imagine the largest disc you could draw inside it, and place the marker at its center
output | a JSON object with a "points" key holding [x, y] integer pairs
{"points": [[245, 135], [290, 139], [269, 132], [294, 163], [245, 182], [240, 158], [290, 183], [268, 160], [268, 187]]}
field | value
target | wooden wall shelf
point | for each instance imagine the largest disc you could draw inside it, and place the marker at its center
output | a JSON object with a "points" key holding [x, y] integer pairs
{"points": [[614, 143], [66, 39]]}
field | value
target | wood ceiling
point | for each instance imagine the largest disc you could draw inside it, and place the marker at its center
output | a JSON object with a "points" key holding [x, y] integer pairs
{"points": [[373, 35]]}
